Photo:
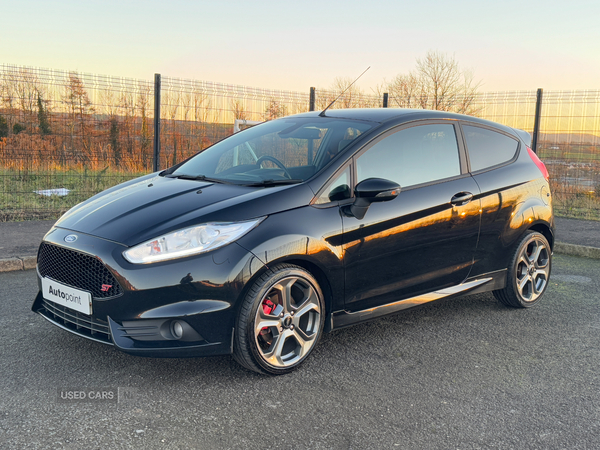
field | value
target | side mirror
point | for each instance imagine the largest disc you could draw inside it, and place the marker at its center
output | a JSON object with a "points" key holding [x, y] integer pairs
{"points": [[370, 191], [340, 193]]}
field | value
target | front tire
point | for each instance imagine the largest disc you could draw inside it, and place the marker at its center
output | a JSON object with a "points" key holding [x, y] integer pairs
{"points": [[280, 321], [528, 272]]}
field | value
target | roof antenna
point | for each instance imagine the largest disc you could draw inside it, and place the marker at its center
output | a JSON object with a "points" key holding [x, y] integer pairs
{"points": [[322, 113]]}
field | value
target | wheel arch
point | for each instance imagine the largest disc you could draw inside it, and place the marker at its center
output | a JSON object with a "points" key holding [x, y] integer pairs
{"points": [[544, 229], [314, 269], [323, 281]]}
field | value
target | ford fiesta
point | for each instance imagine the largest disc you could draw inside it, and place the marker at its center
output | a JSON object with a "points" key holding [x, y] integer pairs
{"points": [[261, 243]]}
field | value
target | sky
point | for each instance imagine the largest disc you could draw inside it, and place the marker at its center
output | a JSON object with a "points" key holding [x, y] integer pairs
{"points": [[293, 45]]}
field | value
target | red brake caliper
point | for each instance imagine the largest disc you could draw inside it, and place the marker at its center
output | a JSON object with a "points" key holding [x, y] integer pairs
{"points": [[268, 306]]}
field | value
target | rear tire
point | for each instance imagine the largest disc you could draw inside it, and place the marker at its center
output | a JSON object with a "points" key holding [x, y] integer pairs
{"points": [[528, 272], [280, 321]]}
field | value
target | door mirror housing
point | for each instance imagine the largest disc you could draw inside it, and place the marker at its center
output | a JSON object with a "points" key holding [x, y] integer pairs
{"points": [[370, 191]]}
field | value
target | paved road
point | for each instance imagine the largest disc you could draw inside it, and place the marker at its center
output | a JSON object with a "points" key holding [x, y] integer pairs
{"points": [[464, 374]]}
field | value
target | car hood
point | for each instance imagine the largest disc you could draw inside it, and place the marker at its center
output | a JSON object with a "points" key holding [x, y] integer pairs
{"points": [[151, 206]]}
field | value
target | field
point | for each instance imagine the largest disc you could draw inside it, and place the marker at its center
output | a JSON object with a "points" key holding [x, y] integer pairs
{"points": [[576, 204], [19, 200], [580, 153]]}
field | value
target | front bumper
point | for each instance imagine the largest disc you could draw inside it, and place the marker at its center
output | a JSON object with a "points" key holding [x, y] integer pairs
{"points": [[150, 337], [198, 294]]}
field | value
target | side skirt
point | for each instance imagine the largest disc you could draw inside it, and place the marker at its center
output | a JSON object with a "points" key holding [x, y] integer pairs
{"points": [[483, 283]]}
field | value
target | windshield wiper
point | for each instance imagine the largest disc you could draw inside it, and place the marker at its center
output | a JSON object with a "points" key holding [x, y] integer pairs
{"points": [[273, 182], [196, 177]]}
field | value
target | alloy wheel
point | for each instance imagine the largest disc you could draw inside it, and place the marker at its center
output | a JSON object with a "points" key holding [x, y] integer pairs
{"points": [[287, 322], [532, 269]]}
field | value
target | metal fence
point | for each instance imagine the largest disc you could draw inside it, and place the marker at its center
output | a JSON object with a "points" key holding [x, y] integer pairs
{"points": [[568, 141], [195, 114], [65, 136], [570, 146]]}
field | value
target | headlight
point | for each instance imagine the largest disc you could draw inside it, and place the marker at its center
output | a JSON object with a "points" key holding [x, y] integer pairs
{"points": [[189, 241]]}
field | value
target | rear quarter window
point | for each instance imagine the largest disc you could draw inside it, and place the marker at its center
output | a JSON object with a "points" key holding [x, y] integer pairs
{"points": [[488, 148]]}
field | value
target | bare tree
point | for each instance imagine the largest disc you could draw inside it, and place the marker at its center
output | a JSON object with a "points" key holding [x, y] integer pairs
{"points": [[143, 105], [127, 132], [109, 106], [377, 95], [467, 102], [297, 108], [201, 113], [27, 91], [438, 83], [172, 107], [8, 96], [79, 110], [405, 91], [238, 110], [274, 110], [353, 97], [19, 91]]}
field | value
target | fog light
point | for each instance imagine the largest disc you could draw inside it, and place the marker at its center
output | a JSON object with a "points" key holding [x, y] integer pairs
{"points": [[177, 329]]}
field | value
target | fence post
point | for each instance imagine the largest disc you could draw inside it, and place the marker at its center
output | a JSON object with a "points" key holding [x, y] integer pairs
{"points": [[156, 159], [385, 99], [311, 103], [538, 117]]}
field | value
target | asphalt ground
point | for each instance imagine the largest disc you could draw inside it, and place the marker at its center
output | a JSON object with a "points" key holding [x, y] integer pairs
{"points": [[467, 373], [20, 239], [575, 231]]}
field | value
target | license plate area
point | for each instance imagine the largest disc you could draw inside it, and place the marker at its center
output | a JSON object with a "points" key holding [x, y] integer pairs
{"points": [[67, 296]]}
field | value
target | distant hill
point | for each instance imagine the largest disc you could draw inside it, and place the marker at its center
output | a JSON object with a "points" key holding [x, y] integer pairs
{"points": [[569, 138]]}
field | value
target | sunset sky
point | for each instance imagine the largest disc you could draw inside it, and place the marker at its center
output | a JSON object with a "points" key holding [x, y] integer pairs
{"points": [[509, 45]]}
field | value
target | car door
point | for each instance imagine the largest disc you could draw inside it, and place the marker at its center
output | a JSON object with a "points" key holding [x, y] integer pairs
{"points": [[424, 239]]}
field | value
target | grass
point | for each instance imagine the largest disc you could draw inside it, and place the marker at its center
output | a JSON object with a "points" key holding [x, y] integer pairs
{"points": [[577, 206], [571, 157], [18, 200], [574, 202]]}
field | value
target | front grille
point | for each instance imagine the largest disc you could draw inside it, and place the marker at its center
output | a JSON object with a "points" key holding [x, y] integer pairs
{"points": [[78, 270], [80, 323]]}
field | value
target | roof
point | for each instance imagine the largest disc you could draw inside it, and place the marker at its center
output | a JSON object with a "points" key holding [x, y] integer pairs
{"points": [[381, 115], [370, 114]]}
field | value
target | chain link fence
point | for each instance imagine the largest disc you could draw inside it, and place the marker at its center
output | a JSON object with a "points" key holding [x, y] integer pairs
{"points": [[65, 136]]}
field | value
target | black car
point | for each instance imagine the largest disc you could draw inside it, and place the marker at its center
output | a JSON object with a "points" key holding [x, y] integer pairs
{"points": [[298, 226]]}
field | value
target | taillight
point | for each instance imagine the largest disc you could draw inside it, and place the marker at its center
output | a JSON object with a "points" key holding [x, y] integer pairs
{"points": [[538, 162]]}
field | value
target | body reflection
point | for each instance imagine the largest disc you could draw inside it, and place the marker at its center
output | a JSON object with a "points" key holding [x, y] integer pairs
{"points": [[417, 243]]}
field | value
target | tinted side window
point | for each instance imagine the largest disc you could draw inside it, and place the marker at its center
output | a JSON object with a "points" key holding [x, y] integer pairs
{"points": [[412, 156], [488, 148]]}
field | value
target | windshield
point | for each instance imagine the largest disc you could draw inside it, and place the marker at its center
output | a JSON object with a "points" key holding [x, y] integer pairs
{"points": [[282, 151]]}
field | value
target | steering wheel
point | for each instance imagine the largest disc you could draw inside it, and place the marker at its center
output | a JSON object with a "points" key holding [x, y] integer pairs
{"points": [[275, 161]]}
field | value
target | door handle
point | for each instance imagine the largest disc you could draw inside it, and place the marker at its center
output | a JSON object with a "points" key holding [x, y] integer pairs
{"points": [[462, 198]]}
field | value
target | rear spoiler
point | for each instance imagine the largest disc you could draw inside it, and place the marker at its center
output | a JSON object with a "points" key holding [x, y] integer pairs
{"points": [[524, 135]]}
